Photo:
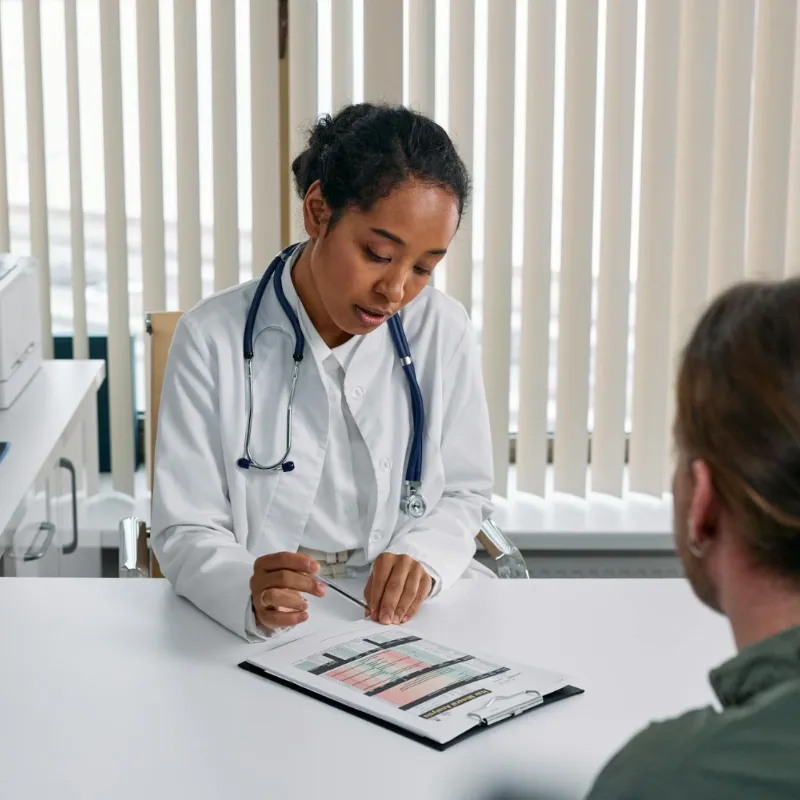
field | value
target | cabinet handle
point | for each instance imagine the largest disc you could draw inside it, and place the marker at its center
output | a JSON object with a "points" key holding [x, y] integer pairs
{"points": [[66, 464], [35, 555]]}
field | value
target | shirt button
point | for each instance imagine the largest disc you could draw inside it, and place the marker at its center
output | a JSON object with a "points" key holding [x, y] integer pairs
{"points": [[358, 392], [386, 464], [376, 535]]}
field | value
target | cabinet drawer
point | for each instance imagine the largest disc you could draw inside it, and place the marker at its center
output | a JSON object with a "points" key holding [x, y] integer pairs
{"points": [[29, 542]]}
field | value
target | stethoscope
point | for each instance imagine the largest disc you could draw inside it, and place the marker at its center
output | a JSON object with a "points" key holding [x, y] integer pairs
{"points": [[412, 503]]}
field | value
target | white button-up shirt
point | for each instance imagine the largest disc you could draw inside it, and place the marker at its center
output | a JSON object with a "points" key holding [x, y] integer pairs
{"points": [[338, 517]]}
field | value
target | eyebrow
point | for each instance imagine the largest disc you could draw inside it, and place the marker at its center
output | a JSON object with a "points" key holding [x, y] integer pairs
{"points": [[397, 240]]}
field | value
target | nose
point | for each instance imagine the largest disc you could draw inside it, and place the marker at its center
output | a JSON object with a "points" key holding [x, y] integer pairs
{"points": [[392, 285]]}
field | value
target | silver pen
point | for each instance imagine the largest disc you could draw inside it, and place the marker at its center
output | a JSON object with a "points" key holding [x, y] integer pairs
{"points": [[341, 591]]}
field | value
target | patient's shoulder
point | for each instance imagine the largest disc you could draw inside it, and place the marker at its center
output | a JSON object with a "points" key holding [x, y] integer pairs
{"points": [[659, 762]]}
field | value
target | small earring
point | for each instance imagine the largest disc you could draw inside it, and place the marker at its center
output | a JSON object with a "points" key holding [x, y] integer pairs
{"points": [[695, 549]]}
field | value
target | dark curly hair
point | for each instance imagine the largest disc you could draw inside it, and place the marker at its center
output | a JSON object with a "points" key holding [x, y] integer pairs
{"points": [[365, 151]]}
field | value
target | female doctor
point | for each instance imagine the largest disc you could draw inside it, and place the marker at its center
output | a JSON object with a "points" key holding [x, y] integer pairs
{"points": [[296, 437]]}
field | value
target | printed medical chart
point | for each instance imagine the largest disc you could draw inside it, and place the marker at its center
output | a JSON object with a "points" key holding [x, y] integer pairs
{"points": [[401, 669], [401, 677]]}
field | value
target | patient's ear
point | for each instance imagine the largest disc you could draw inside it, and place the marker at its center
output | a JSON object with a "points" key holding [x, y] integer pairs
{"points": [[704, 509]]}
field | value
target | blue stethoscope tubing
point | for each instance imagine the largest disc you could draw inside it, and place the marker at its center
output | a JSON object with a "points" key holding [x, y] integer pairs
{"points": [[413, 503]]}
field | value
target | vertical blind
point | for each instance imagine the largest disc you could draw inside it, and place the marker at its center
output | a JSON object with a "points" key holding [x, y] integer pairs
{"points": [[120, 397], [631, 159]]}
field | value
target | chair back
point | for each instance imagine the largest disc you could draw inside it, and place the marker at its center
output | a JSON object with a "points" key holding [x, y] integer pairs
{"points": [[160, 326]]}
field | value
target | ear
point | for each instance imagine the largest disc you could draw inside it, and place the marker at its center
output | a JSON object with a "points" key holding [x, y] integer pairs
{"points": [[316, 213], [704, 509]]}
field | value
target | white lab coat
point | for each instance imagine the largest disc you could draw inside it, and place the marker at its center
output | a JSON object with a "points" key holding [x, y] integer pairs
{"points": [[211, 519]]}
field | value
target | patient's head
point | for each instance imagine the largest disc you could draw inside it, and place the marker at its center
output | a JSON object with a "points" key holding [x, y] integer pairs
{"points": [[737, 433]]}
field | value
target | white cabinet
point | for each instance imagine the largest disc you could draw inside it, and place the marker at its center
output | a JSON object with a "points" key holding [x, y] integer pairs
{"points": [[31, 537], [80, 547], [50, 474]]}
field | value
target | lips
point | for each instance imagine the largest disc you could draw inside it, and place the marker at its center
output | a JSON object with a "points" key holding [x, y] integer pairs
{"points": [[371, 317]]}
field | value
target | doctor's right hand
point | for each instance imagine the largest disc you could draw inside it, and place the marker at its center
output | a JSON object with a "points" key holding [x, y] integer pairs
{"points": [[276, 585]]}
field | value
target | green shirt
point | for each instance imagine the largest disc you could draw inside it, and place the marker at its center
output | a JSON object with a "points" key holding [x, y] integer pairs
{"points": [[750, 750]]}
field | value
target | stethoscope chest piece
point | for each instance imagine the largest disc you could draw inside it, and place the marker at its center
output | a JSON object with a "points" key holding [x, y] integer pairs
{"points": [[413, 503]]}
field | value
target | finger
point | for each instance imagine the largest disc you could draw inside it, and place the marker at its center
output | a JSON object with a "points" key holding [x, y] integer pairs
{"points": [[367, 595], [264, 600], [272, 615], [283, 600], [422, 595], [281, 619], [410, 592], [296, 562], [380, 575], [286, 579], [394, 589]]}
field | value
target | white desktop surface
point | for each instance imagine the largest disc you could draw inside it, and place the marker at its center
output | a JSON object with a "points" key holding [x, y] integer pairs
{"points": [[118, 689]]}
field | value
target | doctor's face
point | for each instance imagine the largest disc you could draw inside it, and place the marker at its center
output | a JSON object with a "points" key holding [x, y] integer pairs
{"points": [[369, 264]]}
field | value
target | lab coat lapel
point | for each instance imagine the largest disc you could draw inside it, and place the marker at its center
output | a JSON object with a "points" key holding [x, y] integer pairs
{"points": [[270, 313], [294, 492], [288, 513]]}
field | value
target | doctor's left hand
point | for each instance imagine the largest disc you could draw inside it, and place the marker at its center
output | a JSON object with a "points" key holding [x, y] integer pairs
{"points": [[396, 588]]}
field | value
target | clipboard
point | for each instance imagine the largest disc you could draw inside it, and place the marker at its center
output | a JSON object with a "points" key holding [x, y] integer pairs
{"points": [[497, 710]]}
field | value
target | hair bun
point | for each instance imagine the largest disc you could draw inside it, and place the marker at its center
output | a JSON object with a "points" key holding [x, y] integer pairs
{"points": [[327, 129], [365, 150], [323, 134]]}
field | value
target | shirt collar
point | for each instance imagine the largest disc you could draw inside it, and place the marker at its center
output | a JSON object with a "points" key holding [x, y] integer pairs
{"points": [[758, 668], [318, 348], [314, 341]]}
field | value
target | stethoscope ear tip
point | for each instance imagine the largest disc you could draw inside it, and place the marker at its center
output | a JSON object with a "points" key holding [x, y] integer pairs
{"points": [[288, 466], [244, 463]]}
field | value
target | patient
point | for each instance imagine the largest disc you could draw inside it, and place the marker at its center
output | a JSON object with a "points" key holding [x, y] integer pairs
{"points": [[737, 529]]}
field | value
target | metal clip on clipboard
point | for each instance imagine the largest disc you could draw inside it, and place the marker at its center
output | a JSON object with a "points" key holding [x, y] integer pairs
{"points": [[532, 699]]}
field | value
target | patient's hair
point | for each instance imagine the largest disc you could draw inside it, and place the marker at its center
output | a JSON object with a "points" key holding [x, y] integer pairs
{"points": [[738, 409], [366, 151]]}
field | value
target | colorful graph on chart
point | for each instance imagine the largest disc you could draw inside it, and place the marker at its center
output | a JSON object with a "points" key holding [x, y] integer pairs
{"points": [[403, 670]]}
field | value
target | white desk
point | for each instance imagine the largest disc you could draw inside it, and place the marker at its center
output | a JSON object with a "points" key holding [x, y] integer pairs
{"points": [[119, 689], [55, 417]]}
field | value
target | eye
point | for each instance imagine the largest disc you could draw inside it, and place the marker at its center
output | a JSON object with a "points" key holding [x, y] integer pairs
{"points": [[425, 273], [373, 256]]}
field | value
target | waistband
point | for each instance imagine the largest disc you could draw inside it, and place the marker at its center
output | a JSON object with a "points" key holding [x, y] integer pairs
{"points": [[332, 565]]}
